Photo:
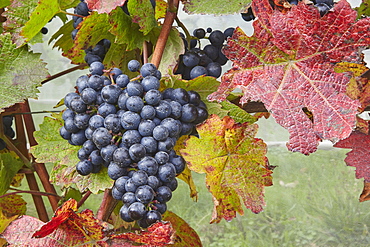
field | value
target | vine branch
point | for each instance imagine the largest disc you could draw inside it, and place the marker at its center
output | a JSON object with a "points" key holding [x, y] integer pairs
{"points": [[81, 66], [171, 14], [33, 192], [107, 206]]}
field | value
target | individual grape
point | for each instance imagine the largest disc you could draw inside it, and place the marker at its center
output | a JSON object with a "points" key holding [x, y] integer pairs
{"points": [[149, 165], [150, 144], [148, 69], [113, 123], [88, 133], [214, 69], [130, 186], [82, 154], [122, 80], [128, 198], [111, 93], [200, 33], [152, 217], [189, 113], [167, 93], [81, 83], [134, 88], [77, 105], [120, 183], [217, 38], [153, 182], [101, 137], [105, 109], [173, 126], [68, 113], [162, 157], [160, 133], [130, 120], [64, 133], [190, 59], [95, 82], [144, 194], [136, 211], [211, 51], [229, 32], [166, 172], [81, 120], [96, 158], [146, 127], [89, 96], [115, 171], [96, 68], [100, 51], [122, 157], [134, 103], [166, 145], [153, 97], [180, 95], [107, 152], [202, 115], [139, 178], [172, 184], [175, 109], [122, 101], [130, 137], [133, 65], [148, 112], [78, 138], [137, 152], [44, 30], [70, 126], [89, 146], [82, 9], [209, 30], [84, 167], [96, 121], [116, 194], [163, 109], [68, 98], [198, 71], [248, 16], [187, 129], [330, 3], [123, 212], [150, 82], [163, 194], [179, 163]]}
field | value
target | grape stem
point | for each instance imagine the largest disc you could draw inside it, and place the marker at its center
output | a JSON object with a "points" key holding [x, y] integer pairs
{"points": [[81, 66], [186, 31], [84, 198], [67, 13], [171, 14]]}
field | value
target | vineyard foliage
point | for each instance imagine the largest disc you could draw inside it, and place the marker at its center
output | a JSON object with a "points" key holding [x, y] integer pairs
{"points": [[306, 69]]}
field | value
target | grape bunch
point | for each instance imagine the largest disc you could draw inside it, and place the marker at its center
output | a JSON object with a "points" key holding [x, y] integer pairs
{"points": [[207, 61], [131, 127], [93, 54], [8, 130]]}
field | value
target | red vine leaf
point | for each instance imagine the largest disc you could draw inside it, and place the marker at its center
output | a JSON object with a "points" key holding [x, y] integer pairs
{"points": [[234, 162], [359, 156], [102, 6], [288, 65], [159, 234]]}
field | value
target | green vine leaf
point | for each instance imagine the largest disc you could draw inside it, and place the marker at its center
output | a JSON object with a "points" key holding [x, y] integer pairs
{"points": [[234, 162], [364, 9], [64, 158], [21, 72], [9, 167], [11, 206], [143, 15], [237, 113], [216, 7], [64, 42]]}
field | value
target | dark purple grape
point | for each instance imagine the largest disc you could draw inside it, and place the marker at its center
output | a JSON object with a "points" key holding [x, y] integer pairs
{"points": [[148, 69], [133, 65], [149, 83], [163, 109], [163, 194], [149, 165], [96, 121], [122, 80], [95, 82], [200, 33], [84, 167], [96, 68], [162, 157], [144, 194], [78, 138], [148, 112], [189, 113], [166, 172], [128, 198], [116, 194], [198, 71], [101, 137], [139, 178], [130, 137], [120, 183], [134, 103], [153, 97], [113, 123], [134, 88], [136, 211], [130, 120], [107, 152], [137, 152], [122, 157], [123, 212], [111, 93], [190, 59], [115, 171], [214, 69], [150, 144]]}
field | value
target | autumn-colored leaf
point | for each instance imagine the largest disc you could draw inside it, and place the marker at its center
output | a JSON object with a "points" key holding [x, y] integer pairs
{"points": [[11, 206], [185, 236], [234, 162], [288, 65], [359, 156], [102, 6], [159, 234]]}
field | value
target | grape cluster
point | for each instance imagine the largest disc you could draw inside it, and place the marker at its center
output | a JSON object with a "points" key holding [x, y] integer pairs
{"points": [[323, 6], [207, 61], [131, 127], [8, 130], [93, 54]]}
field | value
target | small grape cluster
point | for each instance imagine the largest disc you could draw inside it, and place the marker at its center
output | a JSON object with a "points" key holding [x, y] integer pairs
{"points": [[323, 6], [8, 130], [93, 54], [131, 127], [207, 61]]}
